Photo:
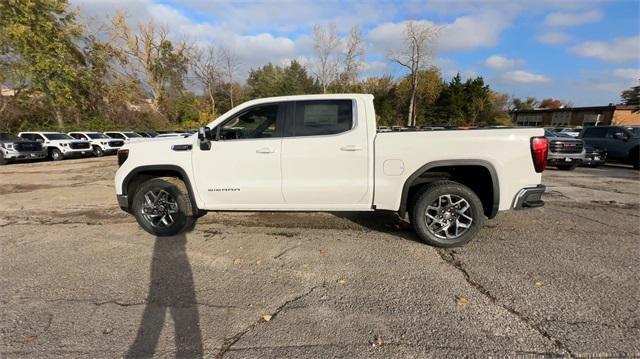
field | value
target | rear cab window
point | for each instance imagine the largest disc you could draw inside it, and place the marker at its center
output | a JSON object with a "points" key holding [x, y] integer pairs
{"points": [[322, 117]]}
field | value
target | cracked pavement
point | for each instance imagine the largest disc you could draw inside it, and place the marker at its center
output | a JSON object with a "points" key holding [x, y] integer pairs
{"points": [[79, 278]]}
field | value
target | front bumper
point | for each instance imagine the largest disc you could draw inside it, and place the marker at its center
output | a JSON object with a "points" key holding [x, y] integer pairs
{"points": [[554, 159], [24, 155], [77, 153], [529, 197], [123, 202]]}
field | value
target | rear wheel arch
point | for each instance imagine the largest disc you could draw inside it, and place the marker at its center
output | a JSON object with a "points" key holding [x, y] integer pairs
{"points": [[142, 174], [455, 170]]}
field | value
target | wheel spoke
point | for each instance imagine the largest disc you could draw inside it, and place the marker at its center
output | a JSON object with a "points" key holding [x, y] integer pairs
{"points": [[449, 216]]}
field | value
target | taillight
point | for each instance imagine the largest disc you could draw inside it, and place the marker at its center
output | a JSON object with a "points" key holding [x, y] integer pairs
{"points": [[539, 150]]}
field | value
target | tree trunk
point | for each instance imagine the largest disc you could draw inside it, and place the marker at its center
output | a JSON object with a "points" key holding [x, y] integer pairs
{"points": [[58, 116], [213, 102], [411, 118], [231, 94], [77, 118]]}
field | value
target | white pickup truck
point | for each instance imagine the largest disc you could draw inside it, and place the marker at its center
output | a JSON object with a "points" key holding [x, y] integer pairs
{"points": [[323, 153]]}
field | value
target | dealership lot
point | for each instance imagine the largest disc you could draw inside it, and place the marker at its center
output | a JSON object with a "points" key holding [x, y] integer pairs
{"points": [[81, 279]]}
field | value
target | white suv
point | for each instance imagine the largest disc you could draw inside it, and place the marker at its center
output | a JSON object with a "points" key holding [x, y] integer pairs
{"points": [[59, 145], [101, 144], [127, 137]]}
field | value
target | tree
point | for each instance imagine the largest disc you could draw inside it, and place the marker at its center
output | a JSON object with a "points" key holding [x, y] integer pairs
{"points": [[429, 86], [384, 91], [230, 65], [476, 99], [151, 56], [271, 80], [528, 104], [450, 104], [208, 72], [631, 96], [326, 43], [419, 39], [41, 54], [352, 59], [551, 103]]}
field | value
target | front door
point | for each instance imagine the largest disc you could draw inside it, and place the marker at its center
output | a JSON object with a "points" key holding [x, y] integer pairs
{"points": [[241, 170]]}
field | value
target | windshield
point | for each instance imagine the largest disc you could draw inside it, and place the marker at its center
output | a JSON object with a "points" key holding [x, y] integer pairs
{"points": [[131, 134], [548, 133], [9, 137], [635, 131], [57, 136], [96, 136]]}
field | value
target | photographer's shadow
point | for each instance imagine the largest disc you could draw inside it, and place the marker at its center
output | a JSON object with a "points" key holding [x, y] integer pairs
{"points": [[171, 290]]}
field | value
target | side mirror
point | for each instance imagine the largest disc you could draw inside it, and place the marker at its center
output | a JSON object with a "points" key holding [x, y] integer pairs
{"points": [[204, 133]]}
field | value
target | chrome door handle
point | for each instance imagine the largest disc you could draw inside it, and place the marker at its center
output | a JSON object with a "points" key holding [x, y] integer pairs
{"points": [[265, 150], [350, 148]]}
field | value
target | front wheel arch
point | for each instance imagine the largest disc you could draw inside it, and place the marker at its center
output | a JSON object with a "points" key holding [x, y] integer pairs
{"points": [[143, 173]]}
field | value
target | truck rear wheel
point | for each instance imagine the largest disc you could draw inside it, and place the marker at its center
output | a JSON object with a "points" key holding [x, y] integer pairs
{"points": [[447, 214], [162, 206]]}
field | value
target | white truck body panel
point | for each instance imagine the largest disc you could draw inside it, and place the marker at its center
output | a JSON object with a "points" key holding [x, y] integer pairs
{"points": [[502, 148]]}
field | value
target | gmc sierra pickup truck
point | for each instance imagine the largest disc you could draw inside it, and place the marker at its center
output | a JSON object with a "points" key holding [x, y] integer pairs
{"points": [[323, 153]]}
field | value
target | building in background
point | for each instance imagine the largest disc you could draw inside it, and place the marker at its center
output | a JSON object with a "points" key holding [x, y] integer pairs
{"points": [[578, 116]]}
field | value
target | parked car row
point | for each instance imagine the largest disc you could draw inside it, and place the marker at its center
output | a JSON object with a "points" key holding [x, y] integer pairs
{"points": [[593, 146], [36, 145]]}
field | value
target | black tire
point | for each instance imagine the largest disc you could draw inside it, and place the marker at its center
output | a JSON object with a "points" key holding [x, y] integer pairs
{"points": [[567, 167], [434, 192], [3, 161], [55, 154], [182, 217], [97, 151]]}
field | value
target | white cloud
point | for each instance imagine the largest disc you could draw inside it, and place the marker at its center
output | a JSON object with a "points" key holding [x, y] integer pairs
{"points": [[620, 50], [497, 62], [524, 77], [553, 38], [572, 19], [629, 74], [463, 34]]}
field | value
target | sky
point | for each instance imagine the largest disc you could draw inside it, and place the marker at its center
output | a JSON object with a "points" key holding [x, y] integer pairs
{"points": [[585, 52]]}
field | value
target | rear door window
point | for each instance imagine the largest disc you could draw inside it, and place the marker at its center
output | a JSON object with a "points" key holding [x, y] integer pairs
{"points": [[322, 117]]}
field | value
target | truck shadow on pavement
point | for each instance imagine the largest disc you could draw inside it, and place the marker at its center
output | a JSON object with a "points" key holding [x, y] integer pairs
{"points": [[171, 290], [381, 221]]}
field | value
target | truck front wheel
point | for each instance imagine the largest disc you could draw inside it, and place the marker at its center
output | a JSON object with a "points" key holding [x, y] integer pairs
{"points": [[97, 151], [447, 214], [162, 206]]}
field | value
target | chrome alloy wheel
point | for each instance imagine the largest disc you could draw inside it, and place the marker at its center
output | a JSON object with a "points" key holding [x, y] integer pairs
{"points": [[158, 208], [449, 217]]}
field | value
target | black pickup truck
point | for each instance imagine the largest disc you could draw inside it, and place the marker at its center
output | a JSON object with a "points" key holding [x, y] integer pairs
{"points": [[621, 143], [14, 148]]}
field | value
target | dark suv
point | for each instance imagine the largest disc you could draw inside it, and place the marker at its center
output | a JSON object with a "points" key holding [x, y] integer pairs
{"points": [[621, 143]]}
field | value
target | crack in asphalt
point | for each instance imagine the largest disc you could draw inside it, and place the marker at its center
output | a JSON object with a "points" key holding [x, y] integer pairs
{"points": [[119, 303], [230, 341], [449, 257]]}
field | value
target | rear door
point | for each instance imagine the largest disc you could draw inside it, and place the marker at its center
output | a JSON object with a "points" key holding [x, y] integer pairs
{"points": [[595, 137], [325, 156]]}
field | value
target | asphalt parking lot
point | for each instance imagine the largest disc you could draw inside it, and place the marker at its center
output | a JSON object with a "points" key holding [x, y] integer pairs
{"points": [[79, 278]]}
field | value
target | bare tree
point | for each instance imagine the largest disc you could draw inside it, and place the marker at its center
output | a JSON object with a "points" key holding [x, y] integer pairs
{"points": [[419, 47], [151, 57], [208, 72], [230, 64], [326, 44], [353, 57]]}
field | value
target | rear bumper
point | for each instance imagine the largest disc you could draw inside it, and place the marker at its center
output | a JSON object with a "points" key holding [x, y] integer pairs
{"points": [[529, 197], [123, 202]]}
